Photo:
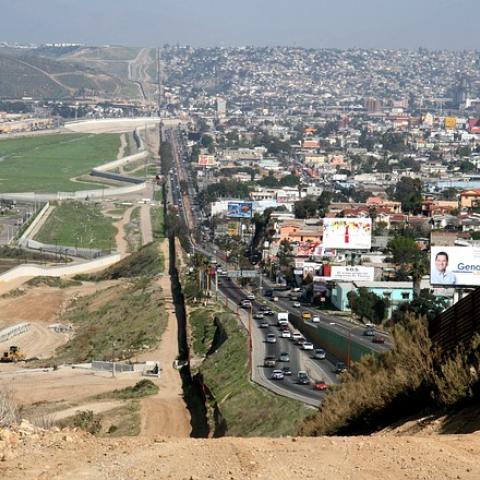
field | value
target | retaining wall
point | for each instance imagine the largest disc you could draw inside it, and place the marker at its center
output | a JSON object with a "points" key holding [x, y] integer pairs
{"points": [[88, 253], [33, 225], [29, 270], [13, 331], [108, 366], [80, 195]]}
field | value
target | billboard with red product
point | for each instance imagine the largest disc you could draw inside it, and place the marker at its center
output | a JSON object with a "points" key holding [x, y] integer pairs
{"points": [[347, 233]]}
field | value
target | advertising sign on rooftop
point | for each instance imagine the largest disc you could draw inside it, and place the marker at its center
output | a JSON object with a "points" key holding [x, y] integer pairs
{"points": [[240, 209], [347, 233], [206, 160], [455, 266]]}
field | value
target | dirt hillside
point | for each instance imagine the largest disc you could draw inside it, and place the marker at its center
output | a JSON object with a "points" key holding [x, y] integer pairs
{"points": [[74, 455]]}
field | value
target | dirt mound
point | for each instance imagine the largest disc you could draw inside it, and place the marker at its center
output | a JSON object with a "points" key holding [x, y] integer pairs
{"points": [[31, 453]]}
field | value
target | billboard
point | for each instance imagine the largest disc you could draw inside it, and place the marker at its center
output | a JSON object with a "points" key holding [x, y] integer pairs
{"points": [[347, 233], [206, 160], [451, 266], [240, 209], [306, 249], [353, 274], [450, 123]]}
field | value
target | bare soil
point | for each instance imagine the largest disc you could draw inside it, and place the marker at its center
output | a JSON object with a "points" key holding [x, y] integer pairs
{"points": [[73, 455], [166, 413]]}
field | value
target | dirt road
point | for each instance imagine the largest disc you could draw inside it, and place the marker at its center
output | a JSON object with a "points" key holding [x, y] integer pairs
{"points": [[165, 413], [95, 407], [146, 224], [120, 240]]}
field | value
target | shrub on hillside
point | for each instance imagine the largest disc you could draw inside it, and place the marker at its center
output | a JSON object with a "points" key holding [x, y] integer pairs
{"points": [[380, 390]]}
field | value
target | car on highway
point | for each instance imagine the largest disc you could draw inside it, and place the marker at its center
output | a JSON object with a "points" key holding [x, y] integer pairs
{"points": [[284, 357], [271, 338], [274, 299], [319, 354], [296, 304], [258, 316], [263, 308], [296, 335], [369, 332], [264, 324], [286, 370], [340, 367], [286, 333], [245, 303], [306, 315], [307, 346], [269, 312], [300, 341], [378, 339], [303, 378], [277, 375], [269, 362], [251, 296], [316, 319], [320, 385]]}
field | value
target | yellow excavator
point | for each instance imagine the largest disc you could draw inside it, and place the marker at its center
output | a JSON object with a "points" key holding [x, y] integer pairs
{"points": [[14, 354]]}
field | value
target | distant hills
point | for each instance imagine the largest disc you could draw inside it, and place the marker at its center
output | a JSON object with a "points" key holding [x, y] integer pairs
{"points": [[62, 72]]}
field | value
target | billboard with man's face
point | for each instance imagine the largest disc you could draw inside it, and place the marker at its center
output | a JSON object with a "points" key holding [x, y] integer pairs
{"points": [[347, 233], [455, 266], [240, 209]]}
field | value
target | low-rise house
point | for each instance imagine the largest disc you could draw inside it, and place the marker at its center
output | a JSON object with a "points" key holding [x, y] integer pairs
{"points": [[395, 292]]}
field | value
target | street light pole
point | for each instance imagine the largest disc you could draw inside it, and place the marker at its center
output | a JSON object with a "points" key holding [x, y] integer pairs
{"points": [[250, 343]]}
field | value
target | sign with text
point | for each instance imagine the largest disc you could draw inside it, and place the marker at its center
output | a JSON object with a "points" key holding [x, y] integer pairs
{"points": [[242, 274], [455, 266], [353, 274]]}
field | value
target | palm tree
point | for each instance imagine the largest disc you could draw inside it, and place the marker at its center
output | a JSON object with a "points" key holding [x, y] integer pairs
{"points": [[417, 271]]}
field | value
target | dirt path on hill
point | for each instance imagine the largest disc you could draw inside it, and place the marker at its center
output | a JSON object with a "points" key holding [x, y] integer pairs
{"points": [[95, 407], [123, 146], [165, 413], [120, 238], [146, 224]]}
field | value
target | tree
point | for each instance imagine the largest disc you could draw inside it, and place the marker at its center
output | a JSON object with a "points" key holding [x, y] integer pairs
{"points": [[269, 181], [408, 191], [305, 208], [367, 305], [323, 202], [466, 166], [425, 304], [404, 250], [289, 181], [417, 271]]}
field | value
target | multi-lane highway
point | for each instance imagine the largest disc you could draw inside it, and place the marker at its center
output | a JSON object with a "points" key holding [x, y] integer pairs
{"points": [[299, 359]]}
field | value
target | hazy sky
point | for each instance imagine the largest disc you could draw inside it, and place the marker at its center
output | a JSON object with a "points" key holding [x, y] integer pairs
{"points": [[452, 24]]}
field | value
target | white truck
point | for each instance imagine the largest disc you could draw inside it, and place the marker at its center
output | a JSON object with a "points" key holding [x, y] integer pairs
{"points": [[282, 318]]}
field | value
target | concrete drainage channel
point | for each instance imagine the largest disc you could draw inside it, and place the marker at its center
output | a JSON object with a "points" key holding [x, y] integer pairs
{"points": [[194, 392]]}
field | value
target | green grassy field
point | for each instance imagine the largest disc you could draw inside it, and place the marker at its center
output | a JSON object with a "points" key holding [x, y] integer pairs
{"points": [[78, 225], [47, 163]]}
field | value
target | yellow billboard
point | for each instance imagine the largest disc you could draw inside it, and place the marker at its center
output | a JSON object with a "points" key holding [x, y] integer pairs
{"points": [[450, 123]]}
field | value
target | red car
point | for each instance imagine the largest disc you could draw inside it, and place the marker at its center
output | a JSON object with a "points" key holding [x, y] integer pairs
{"points": [[378, 339], [320, 385]]}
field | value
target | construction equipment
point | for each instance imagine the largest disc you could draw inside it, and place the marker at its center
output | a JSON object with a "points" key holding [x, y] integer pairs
{"points": [[14, 354]]}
